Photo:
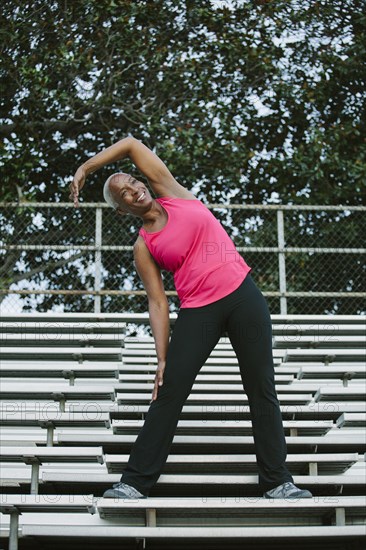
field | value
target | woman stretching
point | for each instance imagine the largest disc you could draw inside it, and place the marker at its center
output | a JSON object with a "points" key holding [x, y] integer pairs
{"points": [[217, 294]]}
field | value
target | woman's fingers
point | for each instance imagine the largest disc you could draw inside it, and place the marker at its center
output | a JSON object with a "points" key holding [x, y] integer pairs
{"points": [[158, 382], [155, 391], [74, 196], [74, 193], [76, 185]]}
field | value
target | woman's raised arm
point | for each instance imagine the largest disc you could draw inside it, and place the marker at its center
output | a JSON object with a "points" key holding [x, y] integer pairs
{"points": [[160, 178]]}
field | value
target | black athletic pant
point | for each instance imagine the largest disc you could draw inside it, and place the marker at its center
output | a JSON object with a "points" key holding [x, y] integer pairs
{"points": [[244, 315]]}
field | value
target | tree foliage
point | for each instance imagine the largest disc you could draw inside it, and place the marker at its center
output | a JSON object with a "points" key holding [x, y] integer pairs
{"points": [[246, 97]]}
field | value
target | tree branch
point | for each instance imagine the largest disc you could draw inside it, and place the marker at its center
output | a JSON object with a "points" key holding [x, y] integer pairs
{"points": [[45, 267], [89, 123]]}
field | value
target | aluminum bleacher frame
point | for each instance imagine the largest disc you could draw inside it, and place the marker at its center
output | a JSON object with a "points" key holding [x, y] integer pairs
{"points": [[205, 493]]}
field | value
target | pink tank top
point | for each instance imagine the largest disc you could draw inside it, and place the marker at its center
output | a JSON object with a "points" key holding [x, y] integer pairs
{"points": [[195, 247]]}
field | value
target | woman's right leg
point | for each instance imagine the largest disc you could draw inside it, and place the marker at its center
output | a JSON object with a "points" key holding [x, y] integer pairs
{"points": [[195, 334]]}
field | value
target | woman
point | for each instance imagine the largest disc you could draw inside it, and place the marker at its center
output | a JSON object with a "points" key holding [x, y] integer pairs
{"points": [[217, 293]]}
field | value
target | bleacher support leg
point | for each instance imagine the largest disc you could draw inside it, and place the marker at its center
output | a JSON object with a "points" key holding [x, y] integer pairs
{"points": [[35, 477], [151, 517], [348, 376], [340, 516], [313, 469], [60, 397], [50, 431], [13, 531]]}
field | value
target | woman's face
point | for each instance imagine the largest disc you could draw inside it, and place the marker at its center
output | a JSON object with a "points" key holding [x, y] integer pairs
{"points": [[131, 195]]}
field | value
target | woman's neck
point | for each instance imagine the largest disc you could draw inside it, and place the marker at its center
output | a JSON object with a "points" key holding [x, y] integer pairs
{"points": [[155, 218]]}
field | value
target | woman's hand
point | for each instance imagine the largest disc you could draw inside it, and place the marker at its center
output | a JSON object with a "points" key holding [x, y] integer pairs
{"points": [[115, 152], [77, 184], [158, 379]]}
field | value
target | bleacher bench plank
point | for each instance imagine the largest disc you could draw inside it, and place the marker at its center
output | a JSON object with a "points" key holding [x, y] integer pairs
{"points": [[333, 393], [314, 342], [57, 419], [201, 377], [60, 393], [201, 386], [66, 354], [327, 463], [230, 427], [213, 359], [75, 370], [51, 454], [222, 482], [77, 327], [250, 507], [59, 340], [241, 397], [317, 411], [331, 371], [349, 443], [133, 317], [352, 419], [298, 532], [25, 503], [328, 355], [322, 330]]}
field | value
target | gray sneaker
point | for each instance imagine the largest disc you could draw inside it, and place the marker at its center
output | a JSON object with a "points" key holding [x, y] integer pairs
{"points": [[122, 490], [287, 490]]}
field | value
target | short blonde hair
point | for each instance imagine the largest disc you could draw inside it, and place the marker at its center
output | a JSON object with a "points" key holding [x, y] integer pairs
{"points": [[107, 194]]}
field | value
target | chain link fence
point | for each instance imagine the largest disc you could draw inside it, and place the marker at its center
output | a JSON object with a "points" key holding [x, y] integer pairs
{"points": [[305, 259]]}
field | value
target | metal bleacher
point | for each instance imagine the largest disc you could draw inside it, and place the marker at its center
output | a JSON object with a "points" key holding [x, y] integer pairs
{"points": [[75, 391]]}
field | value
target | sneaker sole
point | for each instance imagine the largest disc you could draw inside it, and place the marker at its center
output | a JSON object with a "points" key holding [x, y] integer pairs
{"points": [[112, 494], [292, 496]]}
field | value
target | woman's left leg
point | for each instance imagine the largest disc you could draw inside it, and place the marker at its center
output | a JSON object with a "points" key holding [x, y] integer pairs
{"points": [[248, 325]]}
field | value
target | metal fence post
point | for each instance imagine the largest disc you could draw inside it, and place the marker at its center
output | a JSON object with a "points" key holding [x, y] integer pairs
{"points": [[281, 261], [98, 258]]}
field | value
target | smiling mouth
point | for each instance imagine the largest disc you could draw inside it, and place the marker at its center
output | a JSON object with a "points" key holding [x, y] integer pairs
{"points": [[141, 197]]}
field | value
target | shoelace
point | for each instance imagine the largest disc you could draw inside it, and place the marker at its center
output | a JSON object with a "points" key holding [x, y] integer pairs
{"points": [[286, 488], [289, 488], [131, 491]]}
